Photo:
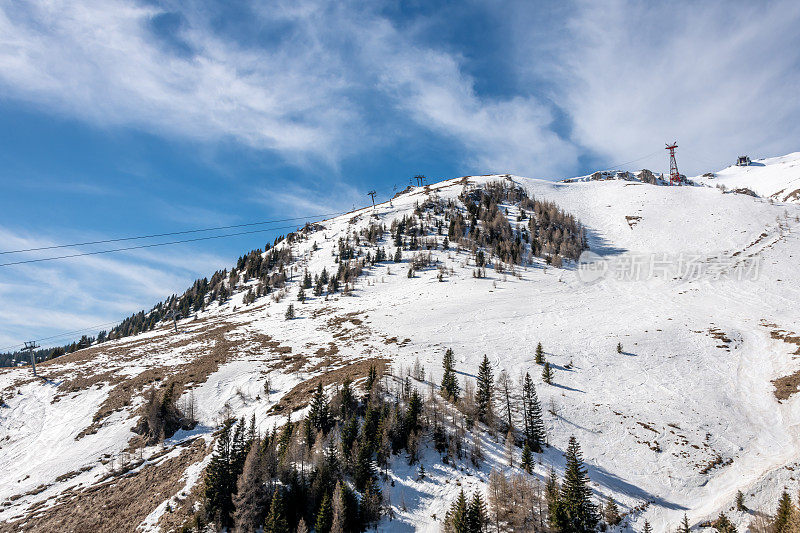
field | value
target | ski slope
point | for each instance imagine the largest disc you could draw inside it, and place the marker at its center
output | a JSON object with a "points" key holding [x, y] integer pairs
{"points": [[693, 383]]}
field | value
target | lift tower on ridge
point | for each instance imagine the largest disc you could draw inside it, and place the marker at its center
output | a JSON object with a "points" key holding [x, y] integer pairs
{"points": [[674, 176]]}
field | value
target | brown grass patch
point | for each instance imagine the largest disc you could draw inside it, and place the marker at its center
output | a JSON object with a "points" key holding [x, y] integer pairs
{"points": [[118, 504], [298, 397]]}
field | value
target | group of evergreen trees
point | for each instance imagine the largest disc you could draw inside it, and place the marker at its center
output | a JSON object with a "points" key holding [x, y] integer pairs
{"points": [[485, 403], [519, 502], [320, 473]]}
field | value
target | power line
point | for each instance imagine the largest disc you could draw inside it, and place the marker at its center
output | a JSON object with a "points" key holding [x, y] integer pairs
{"points": [[120, 239], [141, 246], [66, 334]]}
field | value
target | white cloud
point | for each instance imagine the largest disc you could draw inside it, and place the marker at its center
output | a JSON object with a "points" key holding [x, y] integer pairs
{"points": [[720, 77], [99, 61], [52, 297]]}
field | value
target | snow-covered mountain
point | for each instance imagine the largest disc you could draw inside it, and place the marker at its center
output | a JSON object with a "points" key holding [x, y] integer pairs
{"points": [[699, 285]]}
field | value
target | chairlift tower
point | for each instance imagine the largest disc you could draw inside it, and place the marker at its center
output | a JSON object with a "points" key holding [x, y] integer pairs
{"points": [[674, 175], [30, 346]]}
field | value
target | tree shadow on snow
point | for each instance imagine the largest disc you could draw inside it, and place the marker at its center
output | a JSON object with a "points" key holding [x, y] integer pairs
{"points": [[600, 245]]}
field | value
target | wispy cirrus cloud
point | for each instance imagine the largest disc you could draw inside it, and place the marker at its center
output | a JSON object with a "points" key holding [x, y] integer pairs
{"points": [[52, 297], [719, 77], [100, 61]]}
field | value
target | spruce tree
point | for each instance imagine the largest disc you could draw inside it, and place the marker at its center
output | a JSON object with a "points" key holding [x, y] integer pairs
{"points": [[527, 458], [477, 515], [276, 520], [450, 388], [740, 502], [532, 413], [783, 516], [220, 480], [619, 347], [611, 512], [547, 374], [289, 312], [539, 354], [647, 527], [483, 396], [319, 412], [684, 527], [324, 515], [457, 516], [575, 511], [398, 255], [724, 525]]}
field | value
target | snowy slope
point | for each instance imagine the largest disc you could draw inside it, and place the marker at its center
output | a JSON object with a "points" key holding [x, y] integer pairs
{"points": [[693, 382], [775, 177]]}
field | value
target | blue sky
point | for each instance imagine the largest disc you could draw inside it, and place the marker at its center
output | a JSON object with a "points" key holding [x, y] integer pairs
{"points": [[126, 117]]}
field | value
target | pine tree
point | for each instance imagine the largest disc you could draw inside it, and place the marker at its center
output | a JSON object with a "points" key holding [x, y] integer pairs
{"points": [[740, 502], [547, 374], [619, 347], [302, 527], [575, 512], [783, 515], [684, 527], [450, 387], [611, 512], [220, 480], [477, 516], [457, 516], [532, 413], [483, 396], [276, 520], [647, 527], [527, 458], [307, 280], [539, 354], [319, 412], [324, 515], [301, 295], [289, 312], [724, 525], [398, 255]]}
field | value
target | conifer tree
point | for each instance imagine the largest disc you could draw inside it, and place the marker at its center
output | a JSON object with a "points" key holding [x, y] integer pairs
{"points": [[301, 295], [450, 388], [302, 527], [289, 312], [220, 480], [619, 347], [684, 527], [740, 502], [483, 396], [724, 525], [307, 280], [319, 412], [276, 520], [575, 511], [611, 512], [457, 517], [324, 515], [647, 527], [398, 255], [477, 515], [527, 458], [532, 413], [547, 374], [251, 497], [539, 354], [783, 516]]}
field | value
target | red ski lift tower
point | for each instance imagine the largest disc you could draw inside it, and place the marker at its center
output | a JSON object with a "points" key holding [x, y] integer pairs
{"points": [[674, 176]]}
